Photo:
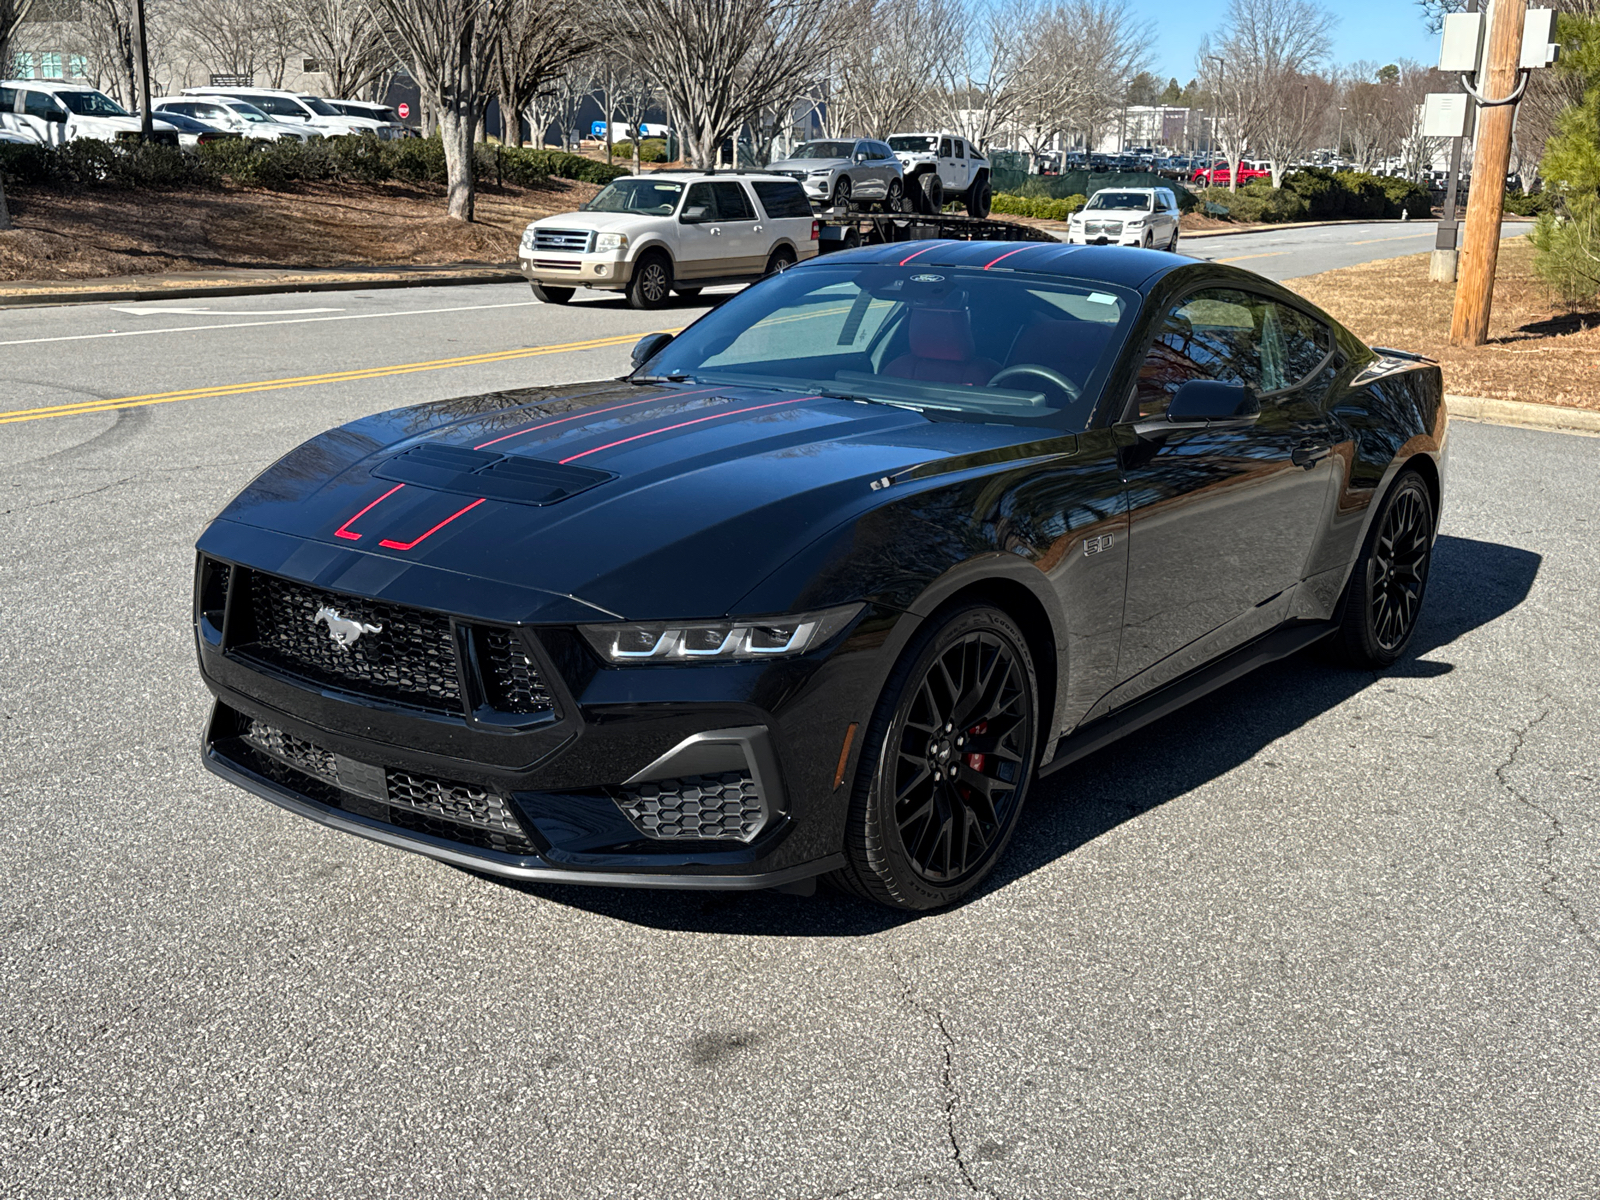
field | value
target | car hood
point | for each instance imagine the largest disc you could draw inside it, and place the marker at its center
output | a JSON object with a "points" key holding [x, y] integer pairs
{"points": [[603, 222], [637, 501], [116, 124], [1120, 213], [808, 164]]}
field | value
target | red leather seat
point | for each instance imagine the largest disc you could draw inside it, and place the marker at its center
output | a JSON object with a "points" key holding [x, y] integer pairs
{"points": [[942, 350]]}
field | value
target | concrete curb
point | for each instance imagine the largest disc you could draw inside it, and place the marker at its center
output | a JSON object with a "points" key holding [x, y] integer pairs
{"points": [[1554, 417], [266, 287]]}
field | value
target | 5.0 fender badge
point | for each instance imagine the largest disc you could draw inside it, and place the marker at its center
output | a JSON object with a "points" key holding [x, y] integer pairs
{"points": [[344, 631]]}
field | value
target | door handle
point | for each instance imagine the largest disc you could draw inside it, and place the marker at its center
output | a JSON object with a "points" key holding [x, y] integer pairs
{"points": [[758, 229], [714, 231], [1308, 454]]}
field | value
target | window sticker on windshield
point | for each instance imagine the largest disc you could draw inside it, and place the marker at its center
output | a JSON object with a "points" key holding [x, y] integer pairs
{"points": [[1100, 298]]}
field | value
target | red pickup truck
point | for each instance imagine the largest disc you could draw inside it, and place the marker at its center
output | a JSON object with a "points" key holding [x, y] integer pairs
{"points": [[1220, 176]]}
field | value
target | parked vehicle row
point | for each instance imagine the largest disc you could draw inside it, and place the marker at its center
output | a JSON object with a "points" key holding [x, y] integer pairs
{"points": [[49, 113], [919, 172]]}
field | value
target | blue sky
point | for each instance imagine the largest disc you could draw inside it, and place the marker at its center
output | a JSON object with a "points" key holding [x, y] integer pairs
{"points": [[1382, 30]]}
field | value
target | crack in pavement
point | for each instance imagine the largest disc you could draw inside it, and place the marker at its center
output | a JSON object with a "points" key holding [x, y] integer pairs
{"points": [[1557, 830], [947, 1085]]}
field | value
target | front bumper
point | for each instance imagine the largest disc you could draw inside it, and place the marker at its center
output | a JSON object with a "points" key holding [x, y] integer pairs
{"points": [[1077, 237], [616, 785], [575, 270], [818, 186]]}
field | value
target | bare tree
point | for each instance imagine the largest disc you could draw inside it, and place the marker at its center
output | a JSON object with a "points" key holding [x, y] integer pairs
{"points": [[569, 88], [344, 38], [540, 39], [986, 82], [12, 14], [1266, 48], [447, 44], [880, 78], [628, 95], [720, 63]]}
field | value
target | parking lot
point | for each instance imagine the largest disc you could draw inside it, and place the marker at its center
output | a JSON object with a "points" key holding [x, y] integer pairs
{"points": [[1329, 934]]}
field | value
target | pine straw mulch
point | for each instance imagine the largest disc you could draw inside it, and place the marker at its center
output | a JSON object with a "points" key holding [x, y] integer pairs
{"points": [[1537, 352], [92, 235]]}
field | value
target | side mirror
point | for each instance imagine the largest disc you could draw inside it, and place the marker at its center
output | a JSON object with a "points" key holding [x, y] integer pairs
{"points": [[694, 214], [647, 347], [1209, 400], [861, 158]]}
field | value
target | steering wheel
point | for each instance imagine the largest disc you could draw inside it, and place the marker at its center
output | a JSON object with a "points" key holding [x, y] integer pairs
{"points": [[1072, 390]]}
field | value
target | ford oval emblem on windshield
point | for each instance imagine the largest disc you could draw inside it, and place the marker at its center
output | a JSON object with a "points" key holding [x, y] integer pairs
{"points": [[927, 279]]}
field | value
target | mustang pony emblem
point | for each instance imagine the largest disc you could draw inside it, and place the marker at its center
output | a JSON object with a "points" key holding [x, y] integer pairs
{"points": [[343, 630]]}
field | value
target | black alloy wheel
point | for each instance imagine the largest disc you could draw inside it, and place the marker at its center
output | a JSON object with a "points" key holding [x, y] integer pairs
{"points": [[945, 764], [842, 194], [651, 282], [894, 199], [1378, 613], [782, 259], [552, 295]]}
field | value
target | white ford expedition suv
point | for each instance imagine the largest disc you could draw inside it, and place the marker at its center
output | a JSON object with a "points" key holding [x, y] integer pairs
{"points": [[671, 231]]}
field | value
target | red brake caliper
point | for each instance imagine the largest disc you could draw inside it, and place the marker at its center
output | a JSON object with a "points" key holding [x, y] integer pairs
{"points": [[975, 761]]}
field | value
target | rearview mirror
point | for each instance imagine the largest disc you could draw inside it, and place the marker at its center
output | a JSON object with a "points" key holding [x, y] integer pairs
{"points": [[647, 347], [1210, 400]]}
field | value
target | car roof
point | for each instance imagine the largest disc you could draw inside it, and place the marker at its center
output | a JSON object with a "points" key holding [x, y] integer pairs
{"points": [[49, 85], [217, 90], [686, 176], [1123, 266]]}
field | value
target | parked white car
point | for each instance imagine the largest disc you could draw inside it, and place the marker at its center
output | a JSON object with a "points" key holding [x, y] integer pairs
{"points": [[845, 172], [51, 113], [940, 167], [1145, 217], [671, 231], [234, 115], [292, 108], [390, 126]]}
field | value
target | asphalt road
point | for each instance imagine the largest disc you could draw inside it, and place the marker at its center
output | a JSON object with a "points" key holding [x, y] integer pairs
{"points": [[1331, 934], [1291, 253]]}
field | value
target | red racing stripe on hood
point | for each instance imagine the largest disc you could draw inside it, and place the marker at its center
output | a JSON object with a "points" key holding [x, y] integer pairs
{"points": [[685, 424], [591, 412]]}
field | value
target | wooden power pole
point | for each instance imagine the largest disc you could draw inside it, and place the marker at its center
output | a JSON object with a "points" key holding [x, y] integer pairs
{"points": [[1480, 249]]}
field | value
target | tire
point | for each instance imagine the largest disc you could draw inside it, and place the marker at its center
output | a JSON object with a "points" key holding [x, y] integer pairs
{"points": [[931, 189], [552, 295], [684, 293], [1148, 241], [1377, 615], [895, 200], [782, 259], [979, 199], [1172, 246], [967, 667], [841, 194], [651, 282]]}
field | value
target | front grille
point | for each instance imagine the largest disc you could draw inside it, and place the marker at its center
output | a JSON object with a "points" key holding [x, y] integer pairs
{"points": [[409, 658], [1103, 228], [509, 675], [717, 807], [457, 802], [556, 264], [415, 802], [575, 241]]}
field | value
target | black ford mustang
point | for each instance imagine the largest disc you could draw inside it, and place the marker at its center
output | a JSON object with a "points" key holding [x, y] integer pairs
{"points": [[828, 580]]}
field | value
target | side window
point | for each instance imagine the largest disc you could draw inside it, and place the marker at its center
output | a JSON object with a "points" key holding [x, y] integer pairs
{"points": [[783, 198], [702, 197], [945, 149], [1233, 337], [39, 104], [961, 148], [732, 202], [8, 100]]}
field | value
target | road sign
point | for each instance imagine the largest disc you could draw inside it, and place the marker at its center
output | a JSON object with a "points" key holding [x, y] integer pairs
{"points": [[404, 110]]}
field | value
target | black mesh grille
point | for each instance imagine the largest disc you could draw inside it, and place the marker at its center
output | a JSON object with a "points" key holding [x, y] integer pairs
{"points": [[407, 655], [726, 806], [513, 682], [297, 752], [455, 812]]}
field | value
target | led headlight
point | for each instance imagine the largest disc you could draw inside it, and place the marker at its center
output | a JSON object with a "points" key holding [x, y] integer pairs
{"points": [[611, 241], [742, 639], [824, 171]]}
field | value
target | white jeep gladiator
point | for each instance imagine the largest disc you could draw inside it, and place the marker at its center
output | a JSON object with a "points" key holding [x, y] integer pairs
{"points": [[671, 231], [940, 167]]}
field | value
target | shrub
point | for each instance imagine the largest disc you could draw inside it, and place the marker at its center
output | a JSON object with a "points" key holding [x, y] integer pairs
{"points": [[1256, 201], [1527, 204], [1041, 207]]}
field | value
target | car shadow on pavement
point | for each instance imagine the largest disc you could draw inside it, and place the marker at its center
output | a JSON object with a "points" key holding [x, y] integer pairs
{"points": [[1472, 584]]}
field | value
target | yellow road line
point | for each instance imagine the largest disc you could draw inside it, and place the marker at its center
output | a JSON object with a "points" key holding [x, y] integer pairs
{"points": [[268, 385], [1242, 257], [1399, 238]]}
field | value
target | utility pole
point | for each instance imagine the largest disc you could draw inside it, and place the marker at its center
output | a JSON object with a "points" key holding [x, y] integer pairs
{"points": [[1480, 250], [144, 71]]}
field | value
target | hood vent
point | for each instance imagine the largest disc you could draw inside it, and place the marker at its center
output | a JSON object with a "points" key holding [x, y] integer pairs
{"points": [[511, 477]]}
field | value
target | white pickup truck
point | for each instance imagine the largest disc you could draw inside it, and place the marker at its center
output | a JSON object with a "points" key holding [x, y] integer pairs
{"points": [[671, 231], [940, 167]]}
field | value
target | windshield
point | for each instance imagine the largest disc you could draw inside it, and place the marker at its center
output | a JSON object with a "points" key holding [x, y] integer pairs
{"points": [[321, 107], [959, 342], [248, 111], [1124, 200], [823, 150], [92, 104], [647, 197], [914, 143]]}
